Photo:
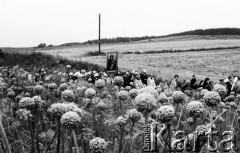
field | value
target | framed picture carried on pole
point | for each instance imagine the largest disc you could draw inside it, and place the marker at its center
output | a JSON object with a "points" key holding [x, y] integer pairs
{"points": [[112, 62]]}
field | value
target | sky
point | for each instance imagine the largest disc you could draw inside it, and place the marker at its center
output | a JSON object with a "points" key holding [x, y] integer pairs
{"points": [[26, 23]]}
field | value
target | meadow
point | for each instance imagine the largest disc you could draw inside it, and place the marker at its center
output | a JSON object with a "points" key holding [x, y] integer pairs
{"points": [[215, 64]]}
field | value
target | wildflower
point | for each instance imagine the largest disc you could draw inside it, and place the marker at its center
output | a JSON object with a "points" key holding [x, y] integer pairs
{"points": [[133, 93], [63, 87], [52, 86], [98, 145], [165, 113], [178, 97], [90, 93], [24, 114], [70, 119], [38, 89], [195, 109], [79, 111], [230, 98], [11, 94], [123, 95], [149, 90], [118, 81], [134, 115], [100, 83], [101, 106], [220, 89], [46, 136], [27, 94], [190, 120], [39, 102], [202, 129], [58, 109], [96, 100], [203, 92], [68, 95], [162, 98], [26, 102], [105, 94], [145, 103], [128, 88], [233, 105], [120, 121], [211, 98]]}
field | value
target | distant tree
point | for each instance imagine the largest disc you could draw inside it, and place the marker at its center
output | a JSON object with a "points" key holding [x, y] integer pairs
{"points": [[50, 45], [42, 45]]}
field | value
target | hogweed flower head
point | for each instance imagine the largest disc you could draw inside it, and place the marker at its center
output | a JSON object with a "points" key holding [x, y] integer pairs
{"points": [[24, 114], [145, 103], [63, 86], [134, 115], [133, 93], [70, 119], [26, 102], [98, 145], [46, 136], [52, 86], [195, 109], [179, 97], [100, 83], [68, 95], [58, 109], [90, 93], [38, 89], [11, 94], [212, 98], [123, 95], [118, 81], [220, 89], [39, 102], [149, 90], [165, 113], [162, 98], [120, 121]]}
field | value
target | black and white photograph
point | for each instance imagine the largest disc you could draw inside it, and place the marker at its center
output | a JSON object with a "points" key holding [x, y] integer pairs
{"points": [[112, 59], [128, 76]]}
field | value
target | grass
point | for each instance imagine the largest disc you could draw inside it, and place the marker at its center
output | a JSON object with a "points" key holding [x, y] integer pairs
{"points": [[38, 60]]}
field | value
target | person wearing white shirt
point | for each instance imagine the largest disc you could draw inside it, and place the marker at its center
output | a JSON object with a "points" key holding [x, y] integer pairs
{"points": [[151, 81]]}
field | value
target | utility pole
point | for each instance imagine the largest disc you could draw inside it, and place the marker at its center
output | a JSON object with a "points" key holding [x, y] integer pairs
{"points": [[99, 35]]}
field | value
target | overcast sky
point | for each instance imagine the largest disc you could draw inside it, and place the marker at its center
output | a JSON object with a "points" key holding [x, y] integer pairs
{"points": [[30, 22]]}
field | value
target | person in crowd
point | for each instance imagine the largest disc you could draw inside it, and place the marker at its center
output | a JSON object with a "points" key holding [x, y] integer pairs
{"points": [[186, 85], [144, 77], [174, 84], [127, 79], [151, 81], [200, 85], [193, 82], [229, 84], [221, 82], [235, 79], [206, 84], [133, 75], [138, 82]]}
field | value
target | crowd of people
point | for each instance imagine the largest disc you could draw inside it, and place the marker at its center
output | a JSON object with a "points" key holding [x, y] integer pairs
{"points": [[133, 79]]}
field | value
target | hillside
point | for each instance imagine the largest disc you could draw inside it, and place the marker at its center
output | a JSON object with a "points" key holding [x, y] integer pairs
{"points": [[201, 32]]}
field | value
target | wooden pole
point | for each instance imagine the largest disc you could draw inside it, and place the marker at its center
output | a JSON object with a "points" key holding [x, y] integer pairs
{"points": [[99, 34]]}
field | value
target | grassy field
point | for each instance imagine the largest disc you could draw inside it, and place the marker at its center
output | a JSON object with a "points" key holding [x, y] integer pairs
{"points": [[169, 43], [214, 63]]}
